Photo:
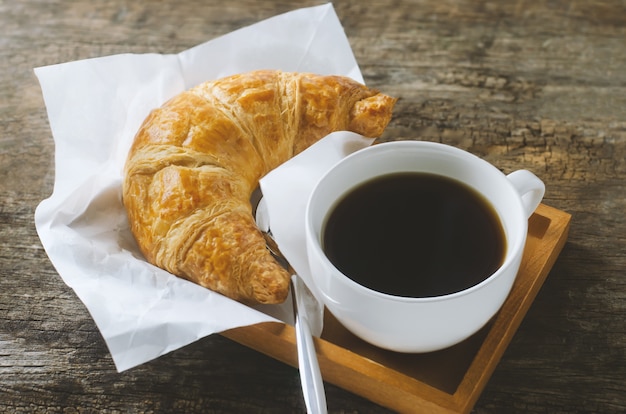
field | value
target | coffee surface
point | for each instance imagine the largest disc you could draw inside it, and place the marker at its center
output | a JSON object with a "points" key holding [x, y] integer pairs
{"points": [[414, 235]]}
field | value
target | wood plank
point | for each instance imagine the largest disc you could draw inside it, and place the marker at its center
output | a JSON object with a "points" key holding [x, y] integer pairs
{"points": [[446, 381], [537, 85]]}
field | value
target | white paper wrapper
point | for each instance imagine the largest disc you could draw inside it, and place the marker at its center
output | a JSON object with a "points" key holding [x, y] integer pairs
{"points": [[95, 107], [286, 191]]}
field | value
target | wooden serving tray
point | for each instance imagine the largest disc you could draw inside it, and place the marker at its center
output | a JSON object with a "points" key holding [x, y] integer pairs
{"points": [[446, 381]]}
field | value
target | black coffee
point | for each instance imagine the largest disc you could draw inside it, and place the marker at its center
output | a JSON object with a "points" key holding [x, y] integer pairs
{"points": [[414, 235]]}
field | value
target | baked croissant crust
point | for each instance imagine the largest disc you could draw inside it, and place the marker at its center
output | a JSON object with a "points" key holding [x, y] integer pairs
{"points": [[196, 160]]}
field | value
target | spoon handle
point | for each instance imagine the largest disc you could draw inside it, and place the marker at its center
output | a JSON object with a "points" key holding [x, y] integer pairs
{"points": [[310, 375]]}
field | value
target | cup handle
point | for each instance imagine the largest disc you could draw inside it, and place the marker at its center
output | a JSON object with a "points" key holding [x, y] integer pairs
{"points": [[530, 188]]}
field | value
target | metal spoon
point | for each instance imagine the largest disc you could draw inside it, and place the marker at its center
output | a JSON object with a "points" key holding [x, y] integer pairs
{"points": [[310, 375]]}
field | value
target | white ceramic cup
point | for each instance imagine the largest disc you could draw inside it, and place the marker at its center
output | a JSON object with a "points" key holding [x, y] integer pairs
{"points": [[408, 324]]}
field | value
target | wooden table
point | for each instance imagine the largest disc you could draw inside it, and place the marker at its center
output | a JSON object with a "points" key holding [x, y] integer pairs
{"points": [[522, 84]]}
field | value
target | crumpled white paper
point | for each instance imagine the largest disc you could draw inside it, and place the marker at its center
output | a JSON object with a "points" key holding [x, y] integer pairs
{"points": [[95, 106], [286, 191]]}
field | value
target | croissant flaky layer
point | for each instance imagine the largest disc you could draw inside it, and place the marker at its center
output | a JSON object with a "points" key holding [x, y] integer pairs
{"points": [[196, 160]]}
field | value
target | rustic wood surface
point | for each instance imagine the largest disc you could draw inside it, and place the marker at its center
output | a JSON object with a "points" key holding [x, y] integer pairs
{"points": [[537, 85]]}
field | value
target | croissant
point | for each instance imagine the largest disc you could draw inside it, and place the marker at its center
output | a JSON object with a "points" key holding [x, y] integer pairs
{"points": [[196, 160]]}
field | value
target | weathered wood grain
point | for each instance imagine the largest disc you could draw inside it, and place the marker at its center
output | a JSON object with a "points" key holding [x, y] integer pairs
{"points": [[537, 85]]}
